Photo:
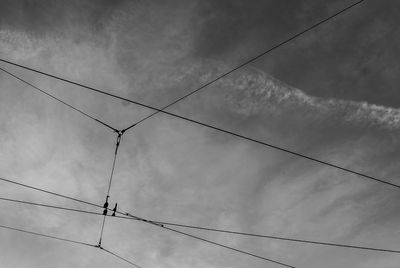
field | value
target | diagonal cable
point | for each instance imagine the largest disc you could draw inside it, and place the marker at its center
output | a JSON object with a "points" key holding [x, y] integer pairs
{"points": [[249, 61], [119, 257], [57, 99], [149, 222], [48, 206], [161, 223], [322, 162], [230, 248], [49, 192], [119, 136], [48, 236]]}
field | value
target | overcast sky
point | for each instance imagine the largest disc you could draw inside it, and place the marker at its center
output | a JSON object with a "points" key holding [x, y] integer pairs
{"points": [[331, 94]]}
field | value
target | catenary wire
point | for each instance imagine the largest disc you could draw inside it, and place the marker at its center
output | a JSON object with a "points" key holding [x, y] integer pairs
{"points": [[384, 181], [270, 145], [68, 240], [57, 99], [227, 247], [204, 228], [119, 257], [110, 181], [48, 236], [153, 223], [49, 206], [249, 61], [50, 192]]}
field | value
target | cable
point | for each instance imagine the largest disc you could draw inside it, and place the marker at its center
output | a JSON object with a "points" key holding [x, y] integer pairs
{"points": [[50, 192], [250, 61], [57, 99], [70, 241], [277, 237], [132, 217], [120, 133], [119, 257], [49, 206], [141, 219], [217, 128], [226, 131], [227, 247], [48, 236], [205, 240]]}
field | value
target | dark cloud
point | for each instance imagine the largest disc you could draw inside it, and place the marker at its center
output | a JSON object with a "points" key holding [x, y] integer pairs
{"points": [[44, 17]]}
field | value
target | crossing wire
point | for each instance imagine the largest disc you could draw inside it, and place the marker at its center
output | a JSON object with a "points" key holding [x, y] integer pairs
{"points": [[110, 181], [155, 224], [67, 240], [279, 148], [161, 223], [119, 257], [48, 236], [250, 61], [57, 99]]}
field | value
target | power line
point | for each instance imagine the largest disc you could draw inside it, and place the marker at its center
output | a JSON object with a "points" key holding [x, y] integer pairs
{"points": [[119, 257], [207, 241], [384, 181], [68, 240], [119, 136], [250, 61], [161, 223], [277, 237], [236, 134], [49, 206], [48, 236], [228, 247], [50, 192], [150, 222], [57, 99]]}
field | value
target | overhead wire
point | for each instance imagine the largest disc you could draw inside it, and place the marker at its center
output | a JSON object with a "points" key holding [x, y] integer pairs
{"points": [[119, 136], [227, 247], [48, 236], [164, 223], [119, 257], [57, 99], [219, 77], [49, 192], [68, 240], [187, 95], [159, 225], [48, 206], [279, 148]]}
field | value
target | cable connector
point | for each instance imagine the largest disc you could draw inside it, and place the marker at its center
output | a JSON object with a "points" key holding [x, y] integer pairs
{"points": [[120, 133], [114, 209], [105, 206]]}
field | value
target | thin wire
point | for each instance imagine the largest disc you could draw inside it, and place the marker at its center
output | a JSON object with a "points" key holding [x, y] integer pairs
{"points": [[250, 61], [275, 237], [227, 247], [204, 240], [119, 257], [57, 99], [217, 128], [109, 183], [224, 131], [50, 192], [68, 240], [141, 219], [48, 206], [132, 217], [48, 236]]}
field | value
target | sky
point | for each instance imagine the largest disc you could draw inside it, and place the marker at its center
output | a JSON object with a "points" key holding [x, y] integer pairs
{"points": [[330, 94]]}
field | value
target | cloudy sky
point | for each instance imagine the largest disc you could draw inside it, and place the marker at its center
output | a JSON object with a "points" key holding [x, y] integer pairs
{"points": [[331, 94]]}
